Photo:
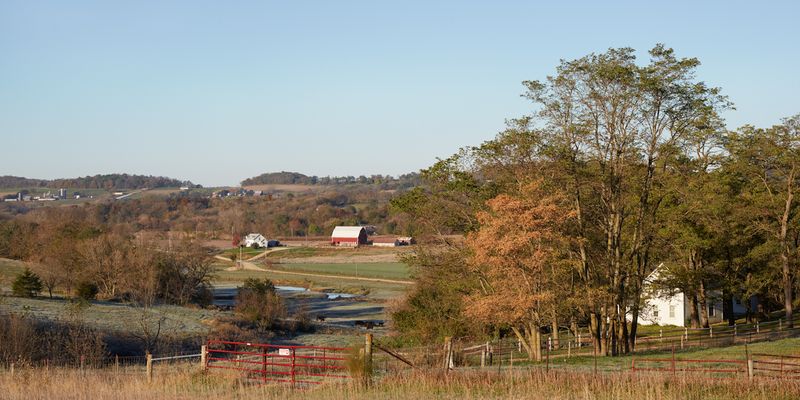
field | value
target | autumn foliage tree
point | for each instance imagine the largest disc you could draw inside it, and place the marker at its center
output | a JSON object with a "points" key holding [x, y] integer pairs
{"points": [[518, 258]]}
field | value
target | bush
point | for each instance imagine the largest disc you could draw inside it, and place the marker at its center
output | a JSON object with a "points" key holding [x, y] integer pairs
{"points": [[86, 290], [259, 304], [27, 284]]}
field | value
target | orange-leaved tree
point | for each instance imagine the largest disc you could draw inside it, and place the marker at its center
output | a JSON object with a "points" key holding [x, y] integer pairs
{"points": [[519, 257]]}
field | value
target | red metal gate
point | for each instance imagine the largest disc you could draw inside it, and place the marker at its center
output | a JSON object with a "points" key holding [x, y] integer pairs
{"points": [[297, 365]]}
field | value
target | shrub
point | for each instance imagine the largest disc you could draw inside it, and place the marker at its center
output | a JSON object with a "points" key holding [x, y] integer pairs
{"points": [[27, 284], [258, 303], [86, 290]]}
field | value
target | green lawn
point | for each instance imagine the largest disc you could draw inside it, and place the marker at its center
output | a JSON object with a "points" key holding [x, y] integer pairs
{"points": [[366, 270], [784, 347]]}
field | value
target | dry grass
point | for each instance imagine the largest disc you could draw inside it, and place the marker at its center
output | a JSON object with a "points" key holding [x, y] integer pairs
{"points": [[186, 382]]}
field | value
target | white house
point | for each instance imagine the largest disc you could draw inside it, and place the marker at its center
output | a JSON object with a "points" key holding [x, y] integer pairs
{"points": [[672, 307], [256, 240]]}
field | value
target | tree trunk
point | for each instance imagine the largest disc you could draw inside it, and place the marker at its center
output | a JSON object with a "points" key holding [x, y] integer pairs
{"points": [[786, 274], [727, 307], [594, 332], [554, 329], [694, 320], [703, 305]]}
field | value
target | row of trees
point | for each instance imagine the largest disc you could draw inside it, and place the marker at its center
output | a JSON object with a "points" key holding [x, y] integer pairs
{"points": [[620, 168], [385, 182], [68, 250], [107, 181]]}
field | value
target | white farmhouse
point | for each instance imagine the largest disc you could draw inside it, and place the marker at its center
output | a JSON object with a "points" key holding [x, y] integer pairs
{"points": [[256, 240], [673, 307]]}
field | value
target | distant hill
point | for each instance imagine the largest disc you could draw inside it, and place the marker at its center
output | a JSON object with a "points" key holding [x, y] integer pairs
{"points": [[108, 181], [295, 178]]}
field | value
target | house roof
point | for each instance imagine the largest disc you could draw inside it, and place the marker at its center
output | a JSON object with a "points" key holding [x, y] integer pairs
{"points": [[347, 231]]}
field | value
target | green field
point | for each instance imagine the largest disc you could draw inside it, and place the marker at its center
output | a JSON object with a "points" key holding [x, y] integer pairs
{"points": [[366, 270], [304, 252], [247, 252]]}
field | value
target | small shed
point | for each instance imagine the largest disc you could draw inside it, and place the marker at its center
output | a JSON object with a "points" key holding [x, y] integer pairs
{"points": [[385, 242], [349, 236]]}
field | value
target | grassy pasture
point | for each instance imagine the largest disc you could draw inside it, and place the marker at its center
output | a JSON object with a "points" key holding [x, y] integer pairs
{"points": [[367, 270], [247, 252], [329, 251], [186, 381], [379, 291]]}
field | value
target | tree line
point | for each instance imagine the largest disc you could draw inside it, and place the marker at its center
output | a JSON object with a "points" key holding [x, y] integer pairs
{"points": [[386, 182], [107, 181], [620, 168]]}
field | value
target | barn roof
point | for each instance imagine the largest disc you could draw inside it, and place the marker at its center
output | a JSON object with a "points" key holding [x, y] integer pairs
{"points": [[347, 231]]}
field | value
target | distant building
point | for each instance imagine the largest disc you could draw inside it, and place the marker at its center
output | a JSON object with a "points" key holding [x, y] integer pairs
{"points": [[406, 240], [385, 242], [673, 308], [62, 193], [256, 240], [349, 236]]}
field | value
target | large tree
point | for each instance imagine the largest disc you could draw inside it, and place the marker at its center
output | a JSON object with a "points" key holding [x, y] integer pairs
{"points": [[615, 126], [519, 262], [768, 160]]}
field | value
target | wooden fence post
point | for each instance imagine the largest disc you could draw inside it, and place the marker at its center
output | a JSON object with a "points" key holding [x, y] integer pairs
{"points": [[547, 365], [11, 369], [569, 349], [448, 353], [149, 367], [673, 359], [758, 330], [750, 369], [367, 357], [711, 331], [483, 357], [204, 357]]}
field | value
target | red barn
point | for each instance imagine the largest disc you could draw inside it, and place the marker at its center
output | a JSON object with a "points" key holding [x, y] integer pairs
{"points": [[349, 236]]}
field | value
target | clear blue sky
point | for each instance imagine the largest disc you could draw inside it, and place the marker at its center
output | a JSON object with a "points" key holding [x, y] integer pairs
{"points": [[217, 91]]}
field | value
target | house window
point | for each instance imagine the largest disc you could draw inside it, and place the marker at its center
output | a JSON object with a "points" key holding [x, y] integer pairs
{"points": [[711, 310], [672, 311], [655, 313]]}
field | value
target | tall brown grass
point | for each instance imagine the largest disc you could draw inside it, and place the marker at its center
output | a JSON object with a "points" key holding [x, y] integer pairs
{"points": [[185, 381]]}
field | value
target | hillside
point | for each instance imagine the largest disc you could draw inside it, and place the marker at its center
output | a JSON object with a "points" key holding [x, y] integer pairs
{"points": [[295, 178], [105, 181]]}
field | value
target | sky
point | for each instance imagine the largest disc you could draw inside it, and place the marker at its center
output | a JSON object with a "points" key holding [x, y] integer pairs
{"points": [[215, 92]]}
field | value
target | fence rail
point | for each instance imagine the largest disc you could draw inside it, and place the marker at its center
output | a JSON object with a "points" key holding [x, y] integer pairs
{"points": [[297, 365]]}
